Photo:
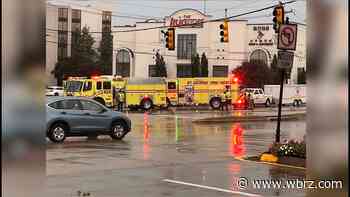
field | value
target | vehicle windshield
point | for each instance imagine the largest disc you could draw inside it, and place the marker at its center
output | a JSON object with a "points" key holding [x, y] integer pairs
{"points": [[74, 86], [247, 90]]}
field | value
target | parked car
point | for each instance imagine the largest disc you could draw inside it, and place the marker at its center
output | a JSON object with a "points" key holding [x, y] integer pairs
{"points": [[54, 91], [78, 116]]}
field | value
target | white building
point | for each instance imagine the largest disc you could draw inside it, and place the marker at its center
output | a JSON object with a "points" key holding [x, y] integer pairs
{"points": [[135, 46], [135, 50], [262, 45], [64, 18]]}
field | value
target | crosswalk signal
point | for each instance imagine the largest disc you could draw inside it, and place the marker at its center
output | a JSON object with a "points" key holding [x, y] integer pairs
{"points": [[224, 31], [170, 39], [278, 19]]}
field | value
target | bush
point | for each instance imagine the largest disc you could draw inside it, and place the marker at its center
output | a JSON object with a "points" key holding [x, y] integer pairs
{"points": [[290, 148]]}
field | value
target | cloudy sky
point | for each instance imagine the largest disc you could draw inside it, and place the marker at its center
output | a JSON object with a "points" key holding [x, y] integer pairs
{"points": [[129, 11]]}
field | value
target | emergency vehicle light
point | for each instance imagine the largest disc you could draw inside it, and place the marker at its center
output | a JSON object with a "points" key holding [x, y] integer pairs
{"points": [[95, 77]]}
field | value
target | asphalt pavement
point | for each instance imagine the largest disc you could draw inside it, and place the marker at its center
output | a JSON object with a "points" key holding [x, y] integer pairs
{"points": [[167, 155]]}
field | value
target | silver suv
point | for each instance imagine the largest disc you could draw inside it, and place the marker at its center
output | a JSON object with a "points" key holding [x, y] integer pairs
{"points": [[77, 116]]}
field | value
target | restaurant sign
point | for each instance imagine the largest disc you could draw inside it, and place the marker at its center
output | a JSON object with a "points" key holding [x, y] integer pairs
{"points": [[186, 18]]}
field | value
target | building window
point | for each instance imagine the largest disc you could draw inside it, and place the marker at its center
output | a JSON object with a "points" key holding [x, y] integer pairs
{"points": [[76, 20], [76, 27], [62, 51], [220, 71], [62, 14], [106, 21], [258, 56], [184, 70], [152, 71], [123, 63], [186, 46]]}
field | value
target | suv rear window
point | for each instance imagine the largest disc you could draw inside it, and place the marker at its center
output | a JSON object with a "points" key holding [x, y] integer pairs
{"points": [[67, 104], [57, 105]]}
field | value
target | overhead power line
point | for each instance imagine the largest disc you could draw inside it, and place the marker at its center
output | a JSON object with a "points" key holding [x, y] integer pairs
{"points": [[199, 23]]}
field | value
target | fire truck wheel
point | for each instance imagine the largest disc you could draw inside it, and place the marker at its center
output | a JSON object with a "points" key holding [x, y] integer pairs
{"points": [[100, 100], [215, 103], [146, 104]]}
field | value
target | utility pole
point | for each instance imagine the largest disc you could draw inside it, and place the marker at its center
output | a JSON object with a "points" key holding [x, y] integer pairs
{"points": [[205, 7]]}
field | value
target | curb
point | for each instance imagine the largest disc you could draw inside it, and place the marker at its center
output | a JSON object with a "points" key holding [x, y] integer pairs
{"points": [[272, 164], [224, 119]]}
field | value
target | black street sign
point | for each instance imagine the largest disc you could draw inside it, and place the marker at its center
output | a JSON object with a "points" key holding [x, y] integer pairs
{"points": [[285, 59]]}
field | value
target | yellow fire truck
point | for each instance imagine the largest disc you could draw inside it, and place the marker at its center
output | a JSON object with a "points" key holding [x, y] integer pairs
{"points": [[200, 91], [151, 92]]}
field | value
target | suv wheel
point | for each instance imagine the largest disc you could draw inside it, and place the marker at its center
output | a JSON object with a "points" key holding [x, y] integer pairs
{"points": [[58, 132], [118, 130]]}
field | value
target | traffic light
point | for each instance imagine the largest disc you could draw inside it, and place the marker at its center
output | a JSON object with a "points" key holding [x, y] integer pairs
{"points": [[170, 39], [224, 31], [278, 19]]}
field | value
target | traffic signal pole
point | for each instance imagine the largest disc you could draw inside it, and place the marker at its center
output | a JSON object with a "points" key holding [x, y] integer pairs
{"points": [[278, 13], [278, 129]]}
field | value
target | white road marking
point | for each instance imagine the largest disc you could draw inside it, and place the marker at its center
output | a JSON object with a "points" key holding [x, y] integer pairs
{"points": [[212, 188]]}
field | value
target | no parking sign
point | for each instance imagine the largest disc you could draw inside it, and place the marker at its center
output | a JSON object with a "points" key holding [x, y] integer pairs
{"points": [[287, 37]]}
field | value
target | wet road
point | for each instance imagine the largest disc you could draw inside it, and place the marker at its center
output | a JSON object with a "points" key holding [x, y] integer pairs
{"points": [[167, 155]]}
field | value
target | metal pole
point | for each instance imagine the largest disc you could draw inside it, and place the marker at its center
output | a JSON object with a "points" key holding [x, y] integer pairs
{"points": [[278, 129]]}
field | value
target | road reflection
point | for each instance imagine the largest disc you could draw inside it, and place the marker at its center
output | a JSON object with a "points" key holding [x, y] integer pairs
{"points": [[146, 134], [237, 147]]}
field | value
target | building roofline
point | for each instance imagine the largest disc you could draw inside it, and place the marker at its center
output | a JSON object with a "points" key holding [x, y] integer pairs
{"points": [[173, 13], [292, 22], [123, 26]]}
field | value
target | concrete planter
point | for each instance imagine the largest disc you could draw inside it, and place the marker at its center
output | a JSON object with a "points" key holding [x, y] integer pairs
{"points": [[293, 161]]}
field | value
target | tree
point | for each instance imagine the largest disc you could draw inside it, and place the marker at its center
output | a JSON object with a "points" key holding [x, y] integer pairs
{"points": [[106, 53], [75, 43], [195, 63], [204, 66], [83, 59], [276, 72], [254, 74], [85, 51], [160, 64], [301, 76]]}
